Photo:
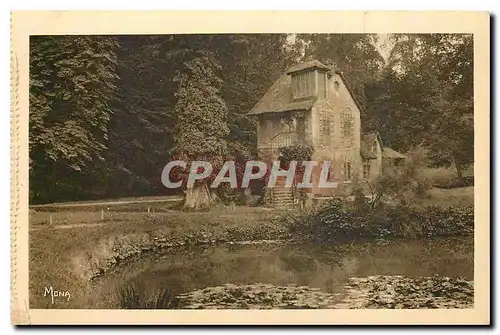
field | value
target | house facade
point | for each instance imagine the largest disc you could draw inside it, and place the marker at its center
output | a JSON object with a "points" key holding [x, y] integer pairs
{"points": [[377, 158], [312, 104]]}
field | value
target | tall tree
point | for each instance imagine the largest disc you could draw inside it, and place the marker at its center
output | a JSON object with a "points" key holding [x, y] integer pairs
{"points": [[72, 83], [250, 63], [141, 128], [147, 65], [201, 129], [356, 55], [135, 141], [434, 94]]}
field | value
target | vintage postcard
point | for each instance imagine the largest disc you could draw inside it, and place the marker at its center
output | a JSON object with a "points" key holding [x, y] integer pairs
{"points": [[273, 168]]}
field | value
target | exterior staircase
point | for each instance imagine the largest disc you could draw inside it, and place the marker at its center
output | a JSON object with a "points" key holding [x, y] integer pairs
{"points": [[282, 196]]}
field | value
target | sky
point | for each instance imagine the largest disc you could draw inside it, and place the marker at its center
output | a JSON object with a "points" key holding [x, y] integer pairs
{"points": [[384, 45]]}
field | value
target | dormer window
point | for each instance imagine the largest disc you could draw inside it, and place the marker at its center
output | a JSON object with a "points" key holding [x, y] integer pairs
{"points": [[303, 84], [309, 80]]}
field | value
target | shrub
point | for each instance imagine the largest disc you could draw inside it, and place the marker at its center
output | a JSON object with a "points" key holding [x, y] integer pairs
{"points": [[341, 221], [297, 152], [403, 184]]}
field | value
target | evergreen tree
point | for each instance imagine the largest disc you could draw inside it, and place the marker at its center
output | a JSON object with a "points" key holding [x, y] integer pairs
{"points": [[201, 129]]}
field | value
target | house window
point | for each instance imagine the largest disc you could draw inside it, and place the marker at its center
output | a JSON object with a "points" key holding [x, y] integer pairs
{"points": [[325, 126], [347, 127], [366, 170], [303, 84], [347, 169]]}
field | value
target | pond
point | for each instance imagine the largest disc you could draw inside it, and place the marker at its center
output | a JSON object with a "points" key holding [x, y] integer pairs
{"points": [[324, 266]]}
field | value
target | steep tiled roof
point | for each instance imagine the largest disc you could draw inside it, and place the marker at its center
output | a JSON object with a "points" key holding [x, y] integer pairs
{"points": [[312, 64], [367, 141], [278, 97], [392, 154], [298, 105]]}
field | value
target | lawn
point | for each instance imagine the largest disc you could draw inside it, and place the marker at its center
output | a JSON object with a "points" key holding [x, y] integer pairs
{"points": [[458, 197], [446, 177]]}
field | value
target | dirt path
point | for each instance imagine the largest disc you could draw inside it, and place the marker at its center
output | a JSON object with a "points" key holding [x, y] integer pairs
{"points": [[95, 222], [113, 202], [72, 226]]}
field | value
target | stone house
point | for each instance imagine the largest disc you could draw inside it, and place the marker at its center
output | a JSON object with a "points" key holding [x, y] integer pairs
{"points": [[312, 104], [376, 157]]}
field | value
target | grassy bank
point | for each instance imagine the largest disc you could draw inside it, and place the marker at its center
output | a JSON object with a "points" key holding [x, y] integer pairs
{"points": [[78, 245]]}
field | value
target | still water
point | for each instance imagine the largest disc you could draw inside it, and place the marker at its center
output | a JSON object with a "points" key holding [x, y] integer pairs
{"points": [[325, 266]]}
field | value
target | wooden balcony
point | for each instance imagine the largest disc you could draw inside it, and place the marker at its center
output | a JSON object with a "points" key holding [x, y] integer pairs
{"points": [[283, 139]]}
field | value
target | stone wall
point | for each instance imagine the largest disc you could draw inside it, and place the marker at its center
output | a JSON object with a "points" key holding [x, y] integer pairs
{"points": [[329, 140]]}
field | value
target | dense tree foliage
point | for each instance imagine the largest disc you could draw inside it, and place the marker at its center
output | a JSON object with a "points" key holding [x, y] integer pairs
{"points": [[356, 55], [108, 112], [201, 129], [72, 86], [426, 97]]}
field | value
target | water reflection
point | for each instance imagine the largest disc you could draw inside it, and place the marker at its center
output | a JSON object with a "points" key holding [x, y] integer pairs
{"points": [[324, 266]]}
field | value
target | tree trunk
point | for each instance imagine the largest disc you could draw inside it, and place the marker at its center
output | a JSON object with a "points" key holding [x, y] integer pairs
{"points": [[199, 197], [459, 172]]}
